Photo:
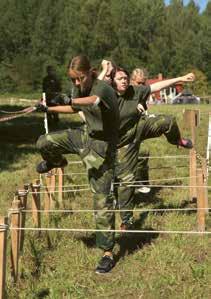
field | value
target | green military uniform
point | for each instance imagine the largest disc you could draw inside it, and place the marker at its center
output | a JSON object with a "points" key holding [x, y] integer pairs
{"points": [[96, 144], [135, 128]]}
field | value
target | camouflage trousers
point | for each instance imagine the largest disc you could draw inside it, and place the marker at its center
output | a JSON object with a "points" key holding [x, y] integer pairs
{"points": [[130, 167], [142, 171], [99, 159]]}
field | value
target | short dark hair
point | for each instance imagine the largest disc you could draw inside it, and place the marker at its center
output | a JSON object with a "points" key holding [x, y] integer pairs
{"points": [[116, 70]]}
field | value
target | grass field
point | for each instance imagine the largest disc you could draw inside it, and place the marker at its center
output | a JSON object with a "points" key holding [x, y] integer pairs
{"points": [[148, 266]]}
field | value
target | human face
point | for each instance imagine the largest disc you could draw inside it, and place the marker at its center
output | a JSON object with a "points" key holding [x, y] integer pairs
{"points": [[139, 80], [82, 80], [122, 81]]}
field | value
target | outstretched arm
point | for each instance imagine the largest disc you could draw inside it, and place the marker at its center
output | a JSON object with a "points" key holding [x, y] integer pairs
{"points": [[62, 109], [85, 101], [166, 83], [106, 67]]}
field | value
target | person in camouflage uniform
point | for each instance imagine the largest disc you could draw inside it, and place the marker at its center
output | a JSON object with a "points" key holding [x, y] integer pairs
{"points": [[135, 127], [142, 173], [95, 143]]}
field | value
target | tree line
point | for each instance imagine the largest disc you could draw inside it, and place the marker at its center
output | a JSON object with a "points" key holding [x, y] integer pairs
{"points": [[164, 39]]}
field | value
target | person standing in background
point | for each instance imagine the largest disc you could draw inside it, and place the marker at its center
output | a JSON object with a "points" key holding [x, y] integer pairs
{"points": [[51, 85]]}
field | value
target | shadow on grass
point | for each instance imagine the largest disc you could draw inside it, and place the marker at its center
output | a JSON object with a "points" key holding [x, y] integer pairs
{"points": [[143, 200], [128, 242], [29, 127], [131, 242], [148, 198], [12, 154], [19, 136]]}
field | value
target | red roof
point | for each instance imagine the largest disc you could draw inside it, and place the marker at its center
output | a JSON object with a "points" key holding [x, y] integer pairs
{"points": [[179, 86]]}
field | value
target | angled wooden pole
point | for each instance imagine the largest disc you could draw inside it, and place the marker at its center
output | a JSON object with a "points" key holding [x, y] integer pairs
{"points": [[48, 204], [15, 214], [22, 196], [205, 181], [53, 187], [36, 203], [192, 174], [200, 200], [191, 119], [60, 183], [3, 255], [208, 152], [47, 197]]}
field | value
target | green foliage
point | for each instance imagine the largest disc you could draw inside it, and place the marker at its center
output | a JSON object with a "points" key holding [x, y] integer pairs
{"points": [[34, 33], [200, 86]]}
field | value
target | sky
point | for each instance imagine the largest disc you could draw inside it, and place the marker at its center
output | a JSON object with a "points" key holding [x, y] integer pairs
{"points": [[201, 3]]}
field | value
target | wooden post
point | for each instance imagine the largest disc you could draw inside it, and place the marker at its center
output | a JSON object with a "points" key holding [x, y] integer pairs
{"points": [[15, 237], [205, 180], [191, 119], [53, 187], [53, 180], [48, 204], [47, 197], [200, 201], [192, 174], [36, 203], [22, 196], [3, 256], [208, 144], [60, 183]]}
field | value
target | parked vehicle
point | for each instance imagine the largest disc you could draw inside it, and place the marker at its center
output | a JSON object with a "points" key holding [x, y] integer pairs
{"points": [[186, 97]]}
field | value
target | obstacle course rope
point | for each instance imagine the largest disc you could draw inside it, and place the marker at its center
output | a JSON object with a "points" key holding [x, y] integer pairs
{"points": [[16, 114]]}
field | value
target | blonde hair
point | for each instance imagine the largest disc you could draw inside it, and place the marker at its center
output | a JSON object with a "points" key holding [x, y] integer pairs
{"points": [[143, 73]]}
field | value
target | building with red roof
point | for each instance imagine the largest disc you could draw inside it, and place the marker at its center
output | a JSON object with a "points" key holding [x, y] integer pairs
{"points": [[167, 94]]}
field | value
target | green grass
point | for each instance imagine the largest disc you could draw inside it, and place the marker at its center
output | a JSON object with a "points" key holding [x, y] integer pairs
{"points": [[149, 266]]}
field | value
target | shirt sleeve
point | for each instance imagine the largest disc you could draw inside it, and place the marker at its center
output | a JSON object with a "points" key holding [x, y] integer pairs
{"points": [[143, 95], [105, 93]]}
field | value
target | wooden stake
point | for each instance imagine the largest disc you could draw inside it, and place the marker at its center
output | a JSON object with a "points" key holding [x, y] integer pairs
{"points": [[22, 196], [60, 183], [15, 237], [192, 174], [3, 256], [191, 119], [47, 198], [200, 201], [205, 179], [36, 203], [53, 186]]}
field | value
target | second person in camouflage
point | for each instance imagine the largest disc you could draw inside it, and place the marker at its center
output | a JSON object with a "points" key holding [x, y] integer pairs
{"points": [[135, 127]]}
